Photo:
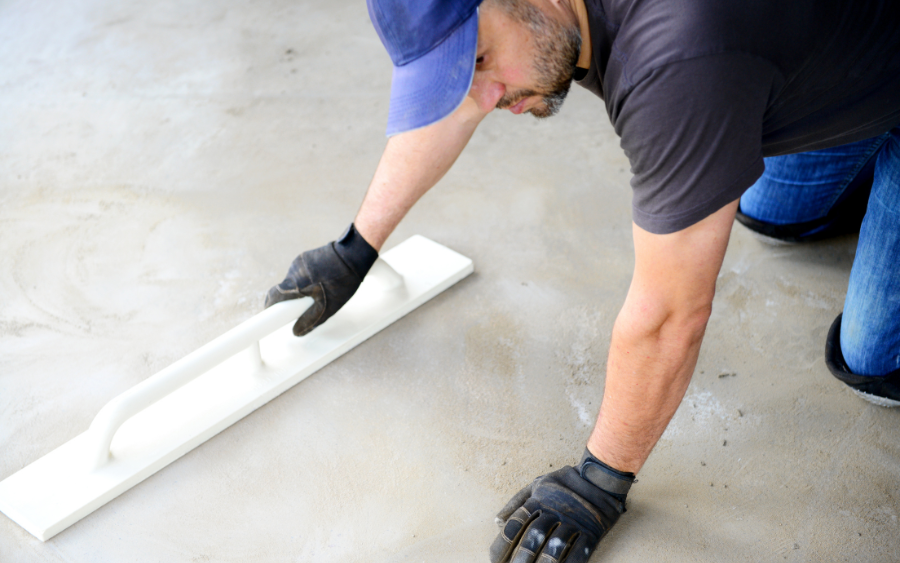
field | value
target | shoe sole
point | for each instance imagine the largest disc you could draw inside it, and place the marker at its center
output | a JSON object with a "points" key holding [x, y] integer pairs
{"points": [[771, 241], [876, 400]]}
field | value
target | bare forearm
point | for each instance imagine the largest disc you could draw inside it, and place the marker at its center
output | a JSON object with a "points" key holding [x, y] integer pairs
{"points": [[412, 163], [657, 336], [647, 374]]}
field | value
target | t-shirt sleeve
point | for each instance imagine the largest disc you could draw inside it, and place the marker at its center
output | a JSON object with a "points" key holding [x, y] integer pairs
{"points": [[693, 133]]}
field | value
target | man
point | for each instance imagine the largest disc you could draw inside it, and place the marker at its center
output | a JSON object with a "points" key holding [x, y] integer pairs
{"points": [[699, 93]]}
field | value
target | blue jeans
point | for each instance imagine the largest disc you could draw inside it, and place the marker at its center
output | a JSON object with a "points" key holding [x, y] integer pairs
{"points": [[804, 187]]}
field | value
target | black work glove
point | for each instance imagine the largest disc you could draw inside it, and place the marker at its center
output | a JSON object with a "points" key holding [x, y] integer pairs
{"points": [[561, 516], [330, 274]]}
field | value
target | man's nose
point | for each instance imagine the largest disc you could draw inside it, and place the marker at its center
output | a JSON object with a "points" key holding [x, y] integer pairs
{"points": [[486, 92]]}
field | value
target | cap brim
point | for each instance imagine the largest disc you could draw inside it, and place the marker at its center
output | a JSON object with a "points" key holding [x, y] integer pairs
{"points": [[431, 87]]}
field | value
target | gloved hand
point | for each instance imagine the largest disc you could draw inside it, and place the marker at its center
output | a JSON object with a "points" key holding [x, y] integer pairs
{"points": [[562, 515], [330, 274]]}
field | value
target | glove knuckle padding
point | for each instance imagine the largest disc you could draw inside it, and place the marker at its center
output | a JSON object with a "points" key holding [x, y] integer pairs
{"points": [[512, 531], [534, 538], [559, 543], [562, 520]]}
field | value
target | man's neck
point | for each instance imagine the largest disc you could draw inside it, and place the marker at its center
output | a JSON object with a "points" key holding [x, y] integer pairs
{"points": [[584, 59]]}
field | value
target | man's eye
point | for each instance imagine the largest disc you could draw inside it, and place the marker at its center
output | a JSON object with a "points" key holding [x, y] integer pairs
{"points": [[479, 60]]}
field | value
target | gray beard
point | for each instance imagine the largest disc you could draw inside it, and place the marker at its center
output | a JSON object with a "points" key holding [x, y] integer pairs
{"points": [[558, 48]]}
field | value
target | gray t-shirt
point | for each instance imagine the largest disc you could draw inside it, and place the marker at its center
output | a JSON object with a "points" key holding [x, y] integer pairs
{"points": [[701, 90]]}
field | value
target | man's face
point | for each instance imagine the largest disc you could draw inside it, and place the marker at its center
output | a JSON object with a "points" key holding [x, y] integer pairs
{"points": [[526, 58]]}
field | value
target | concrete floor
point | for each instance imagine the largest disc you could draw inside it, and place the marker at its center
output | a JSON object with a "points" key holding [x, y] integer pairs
{"points": [[162, 163]]}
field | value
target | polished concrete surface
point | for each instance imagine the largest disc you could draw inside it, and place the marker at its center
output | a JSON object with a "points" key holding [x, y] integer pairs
{"points": [[163, 162]]}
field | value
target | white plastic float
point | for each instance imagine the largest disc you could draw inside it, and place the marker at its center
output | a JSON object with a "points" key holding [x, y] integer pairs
{"points": [[167, 415]]}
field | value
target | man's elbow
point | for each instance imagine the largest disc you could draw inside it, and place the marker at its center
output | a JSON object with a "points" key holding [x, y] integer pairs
{"points": [[692, 322], [681, 324]]}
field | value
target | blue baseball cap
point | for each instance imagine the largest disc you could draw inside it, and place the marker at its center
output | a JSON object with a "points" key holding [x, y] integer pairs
{"points": [[433, 45]]}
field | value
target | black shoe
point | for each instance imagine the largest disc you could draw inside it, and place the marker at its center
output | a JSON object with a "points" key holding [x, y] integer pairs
{"points": [[883, 391], [845, 218]]}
